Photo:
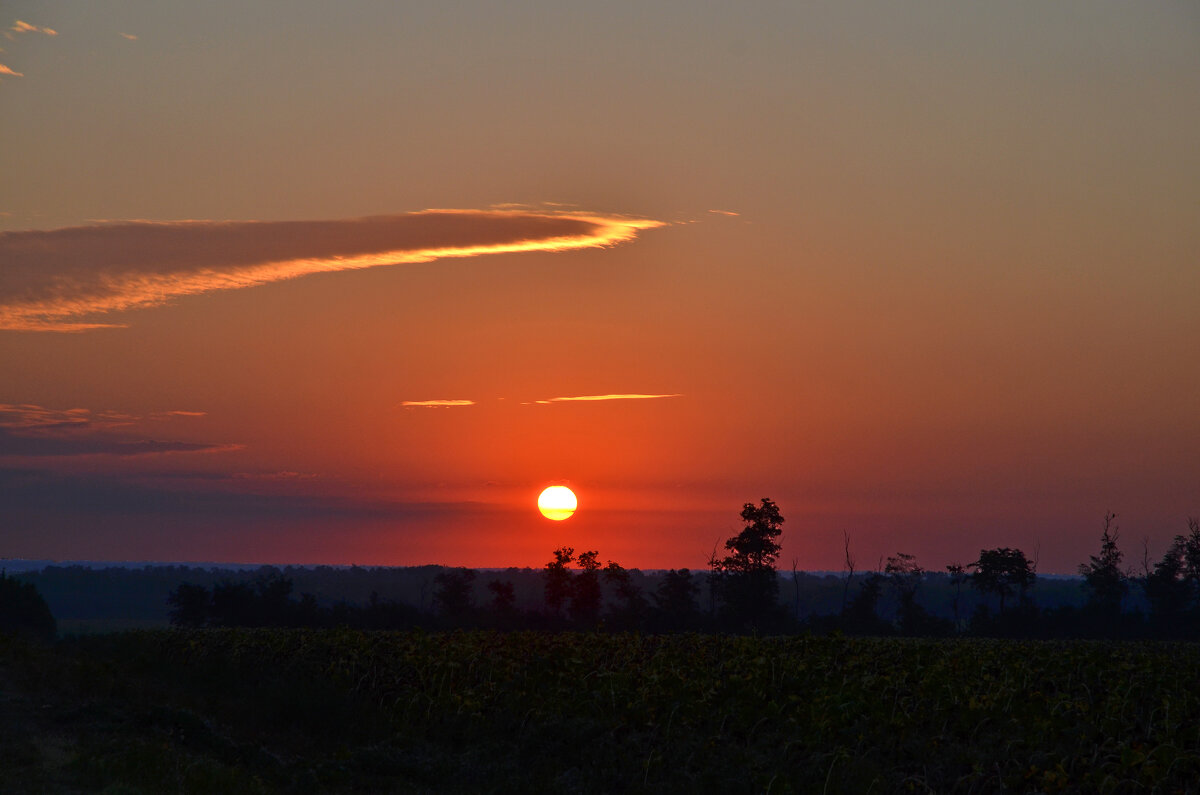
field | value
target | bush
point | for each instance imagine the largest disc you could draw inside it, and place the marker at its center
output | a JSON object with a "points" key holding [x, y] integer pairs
{"points": [[23, 611]]}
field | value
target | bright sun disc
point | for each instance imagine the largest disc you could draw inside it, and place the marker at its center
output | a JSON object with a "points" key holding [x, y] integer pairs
{"points": [[557, 503]]}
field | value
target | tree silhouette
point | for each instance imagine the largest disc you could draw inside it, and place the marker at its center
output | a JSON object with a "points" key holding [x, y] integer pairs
{"points": [[1173, 586], [861, 615], [676, 599], [190, 605], [905, 577], [504, 598], [1000, 571], [958, 575], [23, 611], [235, 604], [585, 592], [631, 607], [1104, 579], [746, 579], [558, 579], [453, 593], [274, 607]]}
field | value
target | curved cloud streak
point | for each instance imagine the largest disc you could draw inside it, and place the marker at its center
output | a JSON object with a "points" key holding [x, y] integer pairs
{"points": [[60, 279]]}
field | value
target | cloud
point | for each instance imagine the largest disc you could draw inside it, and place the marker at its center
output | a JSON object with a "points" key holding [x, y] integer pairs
{"points": [[30, 417], [725, 212], [4, 70], [631, 396], [129, 36], [59, 279], [436, 404], [17, 444], [27, 429], [46, 493], [25, 27], [282, 475]]}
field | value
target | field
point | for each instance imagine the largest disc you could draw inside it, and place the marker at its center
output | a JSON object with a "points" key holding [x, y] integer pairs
{"points": [[302, 711]]}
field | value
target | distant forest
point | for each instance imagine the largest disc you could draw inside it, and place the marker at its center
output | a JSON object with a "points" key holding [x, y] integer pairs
{"points": [[999, 594]]}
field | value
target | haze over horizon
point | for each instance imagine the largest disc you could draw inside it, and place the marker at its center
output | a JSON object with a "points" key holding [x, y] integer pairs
{"points": [[354, 283]]}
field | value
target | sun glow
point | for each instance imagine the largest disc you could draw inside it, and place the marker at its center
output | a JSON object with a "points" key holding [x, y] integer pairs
{"points": [[557, 503]]}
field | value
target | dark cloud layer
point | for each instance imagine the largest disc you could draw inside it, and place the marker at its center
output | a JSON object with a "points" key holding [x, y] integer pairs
{"points": [[15, 443], [27, 429], [44, 492]]}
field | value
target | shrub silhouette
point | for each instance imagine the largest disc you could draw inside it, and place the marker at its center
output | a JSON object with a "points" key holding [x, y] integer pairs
{"points": [[23, 611]]}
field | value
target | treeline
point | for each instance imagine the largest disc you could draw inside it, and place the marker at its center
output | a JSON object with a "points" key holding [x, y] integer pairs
{"points": [[1000, 593], [741, 591]]}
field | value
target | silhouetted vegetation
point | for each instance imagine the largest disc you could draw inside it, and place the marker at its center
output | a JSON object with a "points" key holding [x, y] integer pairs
{"points": [[1000, 594], [637, 700], [745, 580], [23, 611]]}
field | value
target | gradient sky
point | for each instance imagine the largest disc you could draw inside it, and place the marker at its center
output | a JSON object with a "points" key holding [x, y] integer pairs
{"points": [[925, 272]]}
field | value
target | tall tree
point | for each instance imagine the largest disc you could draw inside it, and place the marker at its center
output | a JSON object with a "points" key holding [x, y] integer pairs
{"points": [[1103, 577], [1002, 571], [558, 579], [586, 595], [746, 578], [1173, 587], [958, 575], [905, 576]]}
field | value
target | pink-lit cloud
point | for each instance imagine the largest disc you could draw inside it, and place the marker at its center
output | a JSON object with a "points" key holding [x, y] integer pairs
{"points": [[4, 70], [129, 36], [61, 279]]}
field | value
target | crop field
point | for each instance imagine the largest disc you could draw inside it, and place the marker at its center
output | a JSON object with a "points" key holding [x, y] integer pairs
{"points": [[343, 711]]}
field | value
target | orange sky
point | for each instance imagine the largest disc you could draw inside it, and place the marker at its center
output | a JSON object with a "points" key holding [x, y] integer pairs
{"points": [[928, 275]]}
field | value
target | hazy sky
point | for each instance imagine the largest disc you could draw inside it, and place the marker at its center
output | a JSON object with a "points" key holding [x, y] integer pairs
{"points": [[925, 272]]}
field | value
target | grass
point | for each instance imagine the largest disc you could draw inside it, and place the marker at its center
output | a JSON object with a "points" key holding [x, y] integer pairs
{"points": [[343, 711]]}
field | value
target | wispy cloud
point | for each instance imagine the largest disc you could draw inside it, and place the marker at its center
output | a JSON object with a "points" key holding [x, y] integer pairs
{"points": [[18, 444], [129, 36], [59, 279], [631, 396], [29, 416], [4, 70], [725, 212], [27, 429], [24, 27], [283, 475], [436, 404]]}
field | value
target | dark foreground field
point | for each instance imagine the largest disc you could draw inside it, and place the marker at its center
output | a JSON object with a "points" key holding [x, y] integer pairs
{"points": [[309, 711]]}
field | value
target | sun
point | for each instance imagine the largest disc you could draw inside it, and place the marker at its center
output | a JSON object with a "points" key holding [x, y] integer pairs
{"points": [[557, 503]]}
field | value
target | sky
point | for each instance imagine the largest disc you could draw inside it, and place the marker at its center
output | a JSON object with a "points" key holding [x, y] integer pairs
{"points": [[312, 283]]}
